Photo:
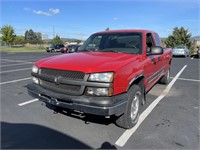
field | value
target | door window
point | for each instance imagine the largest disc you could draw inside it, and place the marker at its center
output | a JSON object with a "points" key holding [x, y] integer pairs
{"points": [[149, 42]]}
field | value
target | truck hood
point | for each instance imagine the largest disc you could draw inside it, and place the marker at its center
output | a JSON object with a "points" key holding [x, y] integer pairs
{"points": [[88, 62]]}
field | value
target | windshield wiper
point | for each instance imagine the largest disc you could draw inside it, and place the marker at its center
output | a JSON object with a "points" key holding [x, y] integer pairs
{"points": [[116, 51], [128, 52], [108, 50]]}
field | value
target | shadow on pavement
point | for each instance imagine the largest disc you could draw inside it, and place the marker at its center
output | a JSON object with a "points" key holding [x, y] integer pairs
{"points": [[31, 136]]}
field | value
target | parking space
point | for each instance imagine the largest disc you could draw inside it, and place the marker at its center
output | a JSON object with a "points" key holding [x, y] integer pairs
{"points": [[173, 123], [10, 75], [192, 70], [16, 66]]}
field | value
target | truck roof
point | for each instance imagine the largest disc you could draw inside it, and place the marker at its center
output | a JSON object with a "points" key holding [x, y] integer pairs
{"points": [[126, 30]]}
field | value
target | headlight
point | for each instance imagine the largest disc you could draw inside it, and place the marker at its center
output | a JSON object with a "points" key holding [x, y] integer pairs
{"points": [[35, 80], [99, 91], [102, 77], [35, 69]]}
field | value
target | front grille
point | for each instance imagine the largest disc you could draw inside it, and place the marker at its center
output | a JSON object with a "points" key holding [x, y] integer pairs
{"points": [[63, 73], [48, 77], [61, 88]]}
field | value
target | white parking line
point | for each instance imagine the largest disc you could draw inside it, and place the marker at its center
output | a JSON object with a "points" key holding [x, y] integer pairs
{"points": [[28, 102], [14, 70], [16, 64], [9, 60], [187, 79], [128, 133], [13, 81]]}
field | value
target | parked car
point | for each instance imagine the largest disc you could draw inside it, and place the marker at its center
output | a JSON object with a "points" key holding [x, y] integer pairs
{"points": [[54, 48], [73, 48], [64, 49], [180, 51], [109, 76]]}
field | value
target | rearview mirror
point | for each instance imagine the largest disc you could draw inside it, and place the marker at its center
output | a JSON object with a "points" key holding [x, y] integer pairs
{"points": [[155, 50]]}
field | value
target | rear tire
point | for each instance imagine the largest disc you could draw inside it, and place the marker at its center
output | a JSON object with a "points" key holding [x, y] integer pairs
{"points": [[165, 79], [132, 112]]}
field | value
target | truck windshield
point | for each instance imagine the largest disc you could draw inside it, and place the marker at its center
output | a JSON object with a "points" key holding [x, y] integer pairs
{"points": [[114, 42]]}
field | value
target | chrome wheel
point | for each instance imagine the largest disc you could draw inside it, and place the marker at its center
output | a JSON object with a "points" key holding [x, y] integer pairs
{"points": [[135, 106], [132, 111]]}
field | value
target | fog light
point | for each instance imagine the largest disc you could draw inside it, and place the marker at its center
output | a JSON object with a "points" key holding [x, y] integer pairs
{"points": [[35, 80], [90, 91], [99, 91]]}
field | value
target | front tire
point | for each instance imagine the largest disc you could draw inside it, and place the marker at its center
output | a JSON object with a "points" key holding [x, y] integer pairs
{"points": [[165, 79], [132, 112]]}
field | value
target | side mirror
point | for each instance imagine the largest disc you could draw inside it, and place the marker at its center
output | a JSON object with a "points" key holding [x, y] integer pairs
{"points": [[155, 50]]}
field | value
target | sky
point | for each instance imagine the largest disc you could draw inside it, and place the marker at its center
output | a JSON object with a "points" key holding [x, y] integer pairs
{"points": [[81, 18]]}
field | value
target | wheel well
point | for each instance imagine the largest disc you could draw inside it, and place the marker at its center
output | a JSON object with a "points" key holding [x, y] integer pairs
{"points": [[140, 82]]}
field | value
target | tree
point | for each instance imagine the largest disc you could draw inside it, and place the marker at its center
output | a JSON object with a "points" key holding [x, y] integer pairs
{"points": [[30, 36], [19, 40], [180, 36], [33, 37], [38, 36], [7, 32], [163, 40], [26, 36], [57, 40]]}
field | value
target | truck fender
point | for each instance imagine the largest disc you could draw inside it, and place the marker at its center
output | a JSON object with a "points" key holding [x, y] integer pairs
{"points": [[133, 80]]}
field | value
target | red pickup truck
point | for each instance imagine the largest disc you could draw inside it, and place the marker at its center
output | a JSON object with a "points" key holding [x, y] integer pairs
{"points": [[109, 76]]}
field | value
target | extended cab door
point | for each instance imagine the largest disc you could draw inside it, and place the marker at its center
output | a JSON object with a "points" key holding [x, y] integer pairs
{"points": [[154, 64]]}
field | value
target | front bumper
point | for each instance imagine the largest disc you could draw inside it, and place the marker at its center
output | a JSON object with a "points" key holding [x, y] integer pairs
{"points": [[104, 106]]}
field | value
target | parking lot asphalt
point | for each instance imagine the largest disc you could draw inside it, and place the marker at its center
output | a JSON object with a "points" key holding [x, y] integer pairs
{"points": [[172, 124]]}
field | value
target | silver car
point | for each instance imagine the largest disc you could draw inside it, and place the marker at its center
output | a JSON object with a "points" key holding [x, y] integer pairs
{"points": [[180, 51]]}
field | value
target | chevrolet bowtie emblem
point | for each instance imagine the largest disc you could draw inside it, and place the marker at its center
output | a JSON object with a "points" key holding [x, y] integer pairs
{"points": [[56, 80]]}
